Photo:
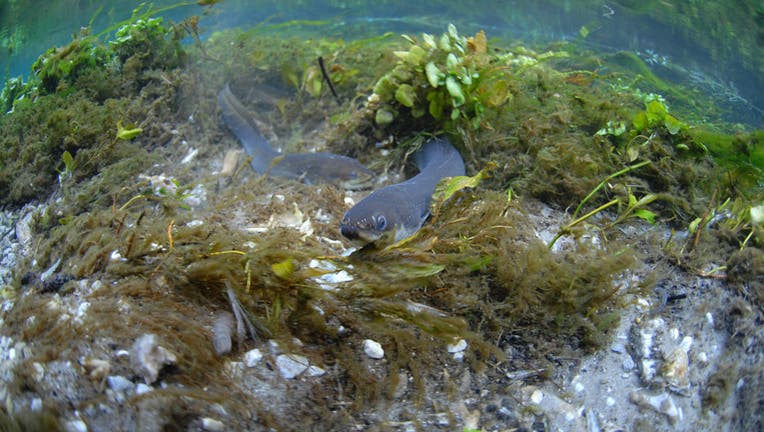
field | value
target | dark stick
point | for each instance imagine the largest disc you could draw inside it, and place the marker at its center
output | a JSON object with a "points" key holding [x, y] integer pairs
{"points": [[328, 81]]}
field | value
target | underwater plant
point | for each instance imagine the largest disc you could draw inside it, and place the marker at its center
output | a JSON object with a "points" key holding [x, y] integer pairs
{"points": [[446, 81]]}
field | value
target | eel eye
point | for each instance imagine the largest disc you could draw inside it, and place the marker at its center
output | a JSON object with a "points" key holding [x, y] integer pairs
{"points": [[381, 223]]}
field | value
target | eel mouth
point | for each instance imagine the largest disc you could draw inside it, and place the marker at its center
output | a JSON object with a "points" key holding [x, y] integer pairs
{"points": [[359, 236]]}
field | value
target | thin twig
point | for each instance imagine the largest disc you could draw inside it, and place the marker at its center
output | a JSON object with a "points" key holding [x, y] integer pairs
{"points": [[328, 80]]}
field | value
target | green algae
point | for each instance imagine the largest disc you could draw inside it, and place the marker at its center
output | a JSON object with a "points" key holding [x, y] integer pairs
{"points": [[476, 271]]}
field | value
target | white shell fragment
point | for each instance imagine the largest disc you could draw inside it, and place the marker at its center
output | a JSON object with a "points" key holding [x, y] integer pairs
{"points": [[662, 403], [295, 220], [373, 349], [291, 365], [147, 357]]}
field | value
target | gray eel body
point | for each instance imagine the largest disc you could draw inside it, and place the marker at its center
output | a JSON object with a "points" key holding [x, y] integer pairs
{"points": [[310, 168], [399, 210]]}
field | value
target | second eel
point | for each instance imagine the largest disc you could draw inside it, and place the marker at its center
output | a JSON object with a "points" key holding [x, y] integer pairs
{"points": [[399, 210], [310, 168]]}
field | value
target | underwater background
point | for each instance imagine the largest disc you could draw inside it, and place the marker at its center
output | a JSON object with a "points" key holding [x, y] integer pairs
{"points": [[599, 267]]}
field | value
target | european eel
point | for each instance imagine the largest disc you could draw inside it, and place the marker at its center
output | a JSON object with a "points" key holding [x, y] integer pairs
{"points": [[310, 168], [399, 210]]}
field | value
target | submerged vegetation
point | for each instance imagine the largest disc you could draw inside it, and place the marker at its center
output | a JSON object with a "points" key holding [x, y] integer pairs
{"points": [[158, 243]]}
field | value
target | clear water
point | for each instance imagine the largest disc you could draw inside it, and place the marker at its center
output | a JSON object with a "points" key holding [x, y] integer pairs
{"points": [[716, 46]]}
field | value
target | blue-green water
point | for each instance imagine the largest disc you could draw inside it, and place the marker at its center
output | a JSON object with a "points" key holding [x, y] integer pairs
{"points": [[717, 47]]}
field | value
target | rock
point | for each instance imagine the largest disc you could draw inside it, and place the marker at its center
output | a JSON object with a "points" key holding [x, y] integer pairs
{"points": [[373, 349], [76, 426], [222, 329], [662, 403], [119, 383], [457, 346], [252, 357], [291, 365], [35, 405], [212, 425], [142, 388], [314, 371], [147, 357]]}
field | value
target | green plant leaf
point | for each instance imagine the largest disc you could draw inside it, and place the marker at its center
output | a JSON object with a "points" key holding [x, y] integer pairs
{"points": [[436, 105], [672, 124], [416, 55], [405, 95], [446, 189], [127, 134], [656, 112], [383, 117], [284, 269], [455, 90], [68, 162], [433, 74], [640, 121], [646, 215]]}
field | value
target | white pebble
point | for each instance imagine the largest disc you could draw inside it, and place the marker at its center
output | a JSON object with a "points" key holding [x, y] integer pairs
{"points": [[314, 371], [35, 404], [212, 425], [373, 349], [119, 383], [609, 401], [147, 357], [537, 396], [459, 346], [252, 357], [291, 365], [76, 426], [142, 388]]}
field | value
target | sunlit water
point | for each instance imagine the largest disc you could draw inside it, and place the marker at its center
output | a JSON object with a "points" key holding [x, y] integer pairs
{"points": [[673, 38]]}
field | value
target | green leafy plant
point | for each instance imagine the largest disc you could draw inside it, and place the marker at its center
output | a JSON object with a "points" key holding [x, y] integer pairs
{"points": [[68, 161], [634, 207], [449, 79], [648, 125]]}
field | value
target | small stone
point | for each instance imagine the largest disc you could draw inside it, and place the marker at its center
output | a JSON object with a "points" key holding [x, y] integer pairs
{"points": [[458, 346], [119, 383], [373, 349], [35, 405], [252, 357], [222, 329], [75, 426], [537, 396], [628, 364], [662, 403], [147, 357], [709, 318], [212, 425], [291, 365], [609, 401], [39, 371], [315, 371], [142, 388]]}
